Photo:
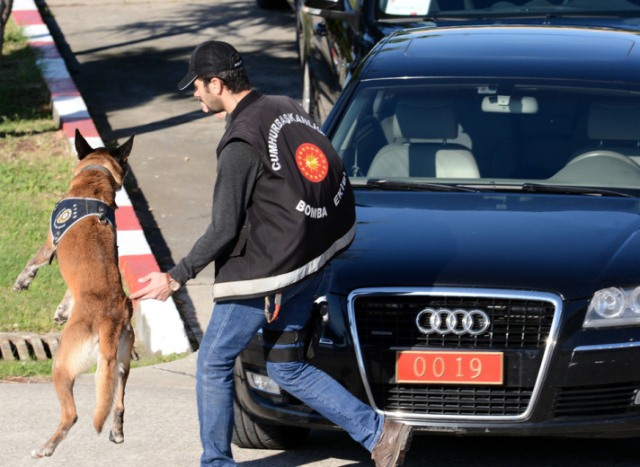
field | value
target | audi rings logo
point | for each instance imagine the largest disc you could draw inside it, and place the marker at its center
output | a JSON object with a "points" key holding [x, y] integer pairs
{"points": [[444, 321]]}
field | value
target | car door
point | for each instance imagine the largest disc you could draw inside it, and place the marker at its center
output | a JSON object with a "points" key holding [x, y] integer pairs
{"points": [[329, 35]]}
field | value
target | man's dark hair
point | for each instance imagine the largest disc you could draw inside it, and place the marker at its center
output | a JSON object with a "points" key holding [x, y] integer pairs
{"points": [[236, 80]]}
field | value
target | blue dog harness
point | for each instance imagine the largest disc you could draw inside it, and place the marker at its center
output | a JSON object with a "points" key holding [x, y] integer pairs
{"points": [[70, 210]]}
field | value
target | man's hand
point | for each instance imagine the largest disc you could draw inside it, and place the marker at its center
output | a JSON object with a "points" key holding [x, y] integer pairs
{"points": [[157, 287]]}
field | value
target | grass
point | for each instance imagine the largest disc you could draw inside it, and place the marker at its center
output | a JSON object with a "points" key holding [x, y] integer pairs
{"points": [[35, 166], [35, 169]]}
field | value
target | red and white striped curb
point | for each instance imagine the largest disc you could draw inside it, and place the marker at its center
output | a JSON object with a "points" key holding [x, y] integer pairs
{"points": [[158, 324]]}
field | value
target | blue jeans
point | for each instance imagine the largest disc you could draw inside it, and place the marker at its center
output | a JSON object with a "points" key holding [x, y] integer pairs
{"points": [[232, 325]]}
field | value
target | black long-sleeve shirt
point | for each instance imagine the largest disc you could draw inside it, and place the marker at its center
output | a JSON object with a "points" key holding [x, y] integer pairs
{"points": [[239, 167]]}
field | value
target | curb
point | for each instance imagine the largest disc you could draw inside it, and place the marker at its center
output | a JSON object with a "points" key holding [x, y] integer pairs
{"points": [[158, 324]]}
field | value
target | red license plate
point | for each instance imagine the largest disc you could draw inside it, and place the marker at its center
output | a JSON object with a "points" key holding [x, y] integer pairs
{"points": [[449, 367]]}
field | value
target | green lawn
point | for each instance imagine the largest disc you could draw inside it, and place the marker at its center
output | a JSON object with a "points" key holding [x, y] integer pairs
{"points": [[35, 167]]}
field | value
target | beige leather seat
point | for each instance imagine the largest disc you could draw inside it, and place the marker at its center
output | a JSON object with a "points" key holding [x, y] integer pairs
{"points": [[421, 147], [614, 126]]}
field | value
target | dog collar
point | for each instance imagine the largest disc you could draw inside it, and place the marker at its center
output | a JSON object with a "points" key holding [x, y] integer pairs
{"points": [[70, 210], [99, 167]]}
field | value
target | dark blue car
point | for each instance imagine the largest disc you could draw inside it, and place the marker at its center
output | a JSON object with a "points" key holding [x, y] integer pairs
{"points": [[494, 283]]}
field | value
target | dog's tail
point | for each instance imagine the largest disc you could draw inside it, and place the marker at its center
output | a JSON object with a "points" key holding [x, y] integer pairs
{"points": [[106, 374]]}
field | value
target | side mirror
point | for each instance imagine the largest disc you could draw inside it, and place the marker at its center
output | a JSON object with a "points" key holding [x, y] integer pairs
{"points": [[333, 9], [324, 4]]}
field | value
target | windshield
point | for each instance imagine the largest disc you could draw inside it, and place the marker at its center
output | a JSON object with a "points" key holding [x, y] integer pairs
{"points": [[389, 9], [491, 134]]}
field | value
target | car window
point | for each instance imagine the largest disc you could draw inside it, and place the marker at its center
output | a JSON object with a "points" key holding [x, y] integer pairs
{"points": [[492, 133], [473, 8]]}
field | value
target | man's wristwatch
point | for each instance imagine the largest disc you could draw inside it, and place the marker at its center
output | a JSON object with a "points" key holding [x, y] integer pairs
{"points": [[173, 284]]}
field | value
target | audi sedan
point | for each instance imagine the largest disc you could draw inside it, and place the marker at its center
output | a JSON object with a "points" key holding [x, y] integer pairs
{"points": [[494, 284]]}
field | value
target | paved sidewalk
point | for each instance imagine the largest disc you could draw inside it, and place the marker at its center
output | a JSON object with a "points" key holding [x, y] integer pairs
{"points": [[160, 425]]}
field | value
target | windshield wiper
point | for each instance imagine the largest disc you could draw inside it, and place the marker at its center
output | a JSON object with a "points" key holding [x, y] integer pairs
{"points": [[572, 190], [416, 186]]}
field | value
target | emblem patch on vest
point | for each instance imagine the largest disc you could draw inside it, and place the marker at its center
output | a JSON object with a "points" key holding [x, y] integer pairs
{"points": [[312, 162]]}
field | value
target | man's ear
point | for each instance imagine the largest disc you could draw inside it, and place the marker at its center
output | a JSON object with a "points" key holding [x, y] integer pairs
{"points": [[217, 84]]}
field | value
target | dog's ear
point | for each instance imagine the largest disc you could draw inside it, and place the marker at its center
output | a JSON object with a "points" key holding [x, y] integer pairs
{"points": [[125, 149], [82, 147]]}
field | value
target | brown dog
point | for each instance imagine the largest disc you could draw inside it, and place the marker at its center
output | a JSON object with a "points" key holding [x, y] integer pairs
{"points": [[83, 238]]}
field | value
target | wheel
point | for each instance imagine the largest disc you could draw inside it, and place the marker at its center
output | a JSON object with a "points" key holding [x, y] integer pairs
{"points": [[250, 434], [272, 4]]}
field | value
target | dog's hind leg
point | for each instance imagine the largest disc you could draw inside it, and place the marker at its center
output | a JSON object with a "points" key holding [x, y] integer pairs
{"points": [[73, 357], [125, 350], [108, 342], [42, 258]]}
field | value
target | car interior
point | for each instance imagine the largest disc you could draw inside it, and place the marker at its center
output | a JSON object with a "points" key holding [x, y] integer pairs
{"points": [[573, 136]]}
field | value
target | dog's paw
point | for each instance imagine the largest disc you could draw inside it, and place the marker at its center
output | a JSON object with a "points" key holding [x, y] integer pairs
{"points": [[22, 282], [61, 316], [59, 320], [63, 310], [40, 453], [20, 286], [117, 438]]}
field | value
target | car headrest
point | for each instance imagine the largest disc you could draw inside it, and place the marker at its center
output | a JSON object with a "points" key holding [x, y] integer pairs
{"points": [[614, 121], [427, 120]]}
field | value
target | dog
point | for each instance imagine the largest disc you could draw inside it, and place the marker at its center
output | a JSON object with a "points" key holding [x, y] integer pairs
{"points": [[82, 236]]}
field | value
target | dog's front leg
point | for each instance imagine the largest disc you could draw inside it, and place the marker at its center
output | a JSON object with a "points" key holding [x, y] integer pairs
{"points": [[64, 309], [41, 258]]}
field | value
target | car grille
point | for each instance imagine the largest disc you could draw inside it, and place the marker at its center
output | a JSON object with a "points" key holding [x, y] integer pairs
{"points": [[605, 400], [385, 322], [457, 400]]}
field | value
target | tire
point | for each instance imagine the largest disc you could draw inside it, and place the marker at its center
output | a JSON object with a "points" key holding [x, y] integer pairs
{"points": [[255, 435], [272, 4]]}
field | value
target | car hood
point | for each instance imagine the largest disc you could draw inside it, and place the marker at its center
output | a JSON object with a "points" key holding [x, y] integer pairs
{"points": [[571, 245]]}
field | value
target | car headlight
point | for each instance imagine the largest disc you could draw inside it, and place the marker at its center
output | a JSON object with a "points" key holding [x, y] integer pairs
{"points": [[613, 306]]}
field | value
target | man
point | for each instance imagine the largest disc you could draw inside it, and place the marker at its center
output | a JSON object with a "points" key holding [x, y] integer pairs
{"points": [[283, 207]]}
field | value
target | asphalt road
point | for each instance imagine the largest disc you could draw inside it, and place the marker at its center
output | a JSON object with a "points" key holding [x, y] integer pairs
{"points": [[126, 57]]}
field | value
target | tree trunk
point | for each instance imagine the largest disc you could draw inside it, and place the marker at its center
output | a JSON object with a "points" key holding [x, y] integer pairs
{"points": [[5, 11]]}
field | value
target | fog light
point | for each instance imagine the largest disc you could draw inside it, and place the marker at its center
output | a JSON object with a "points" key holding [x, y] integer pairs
{"points": [[263, 383], [636, 400]]}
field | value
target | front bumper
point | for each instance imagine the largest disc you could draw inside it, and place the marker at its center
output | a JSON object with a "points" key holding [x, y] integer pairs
{"points": [[578, 384]]}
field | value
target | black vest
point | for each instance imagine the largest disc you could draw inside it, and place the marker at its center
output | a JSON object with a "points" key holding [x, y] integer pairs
{"points": [[302, 212]]}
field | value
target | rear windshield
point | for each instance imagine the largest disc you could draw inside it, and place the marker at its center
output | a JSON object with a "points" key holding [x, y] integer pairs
{"points": [[487, 8]]}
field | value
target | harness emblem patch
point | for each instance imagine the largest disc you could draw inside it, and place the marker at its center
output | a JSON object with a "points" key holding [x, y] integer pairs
{"points": [[63, 217], [312, 162]]}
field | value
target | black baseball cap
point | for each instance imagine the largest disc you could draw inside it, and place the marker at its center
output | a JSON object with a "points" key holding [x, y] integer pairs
{"points": [[210, 58]]}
